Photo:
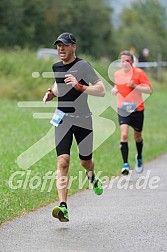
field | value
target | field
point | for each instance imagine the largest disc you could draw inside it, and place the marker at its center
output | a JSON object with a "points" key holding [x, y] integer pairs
{"points": [[25, 187]]}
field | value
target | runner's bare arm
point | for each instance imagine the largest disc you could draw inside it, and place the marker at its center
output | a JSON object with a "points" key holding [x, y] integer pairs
{"points": [[97, 89], [51, 93], [114, 90], [143, 88]]}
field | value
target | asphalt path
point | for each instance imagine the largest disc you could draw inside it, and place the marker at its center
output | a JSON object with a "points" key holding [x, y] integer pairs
{"points": [[130, 216]]}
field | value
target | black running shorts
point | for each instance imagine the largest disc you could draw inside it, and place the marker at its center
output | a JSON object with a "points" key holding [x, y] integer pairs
{"points": [[134, 119], [81, 129]]}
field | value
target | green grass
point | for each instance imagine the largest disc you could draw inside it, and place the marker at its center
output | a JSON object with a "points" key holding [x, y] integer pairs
{"points": [[19, 131], [16, 81]]}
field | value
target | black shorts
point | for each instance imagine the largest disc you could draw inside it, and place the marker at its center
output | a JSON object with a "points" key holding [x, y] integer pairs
{"points": [[81, 129], [134, 119]]}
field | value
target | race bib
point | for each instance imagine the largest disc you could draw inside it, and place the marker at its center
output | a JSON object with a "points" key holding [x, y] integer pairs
{"points": [[57, 117], [129, 106]]}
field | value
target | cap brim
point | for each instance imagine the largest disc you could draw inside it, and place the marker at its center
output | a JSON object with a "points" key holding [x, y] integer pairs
{"points": [[64, 41]]}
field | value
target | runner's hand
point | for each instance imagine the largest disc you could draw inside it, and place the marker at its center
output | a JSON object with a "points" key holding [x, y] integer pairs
{"points": [[114, 91], [70, 80], [131, 84], [48, 96]]}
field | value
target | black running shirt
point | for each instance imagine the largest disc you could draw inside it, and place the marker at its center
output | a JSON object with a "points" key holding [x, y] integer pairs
{"points": [[69, 99]]}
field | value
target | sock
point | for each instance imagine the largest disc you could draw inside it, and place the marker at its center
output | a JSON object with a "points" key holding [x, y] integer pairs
{"points": [[91, 178], [139, 146], [124, 150], [62, 204]]}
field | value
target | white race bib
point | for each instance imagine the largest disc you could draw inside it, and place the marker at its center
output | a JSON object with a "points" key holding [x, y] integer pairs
{"points": [[128, 106], [57, 117]]}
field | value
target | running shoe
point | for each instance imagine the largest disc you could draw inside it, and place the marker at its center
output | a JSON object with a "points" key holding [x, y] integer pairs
{"points": [[139, 165], [61, 213], [125, 169], [97, 186]]}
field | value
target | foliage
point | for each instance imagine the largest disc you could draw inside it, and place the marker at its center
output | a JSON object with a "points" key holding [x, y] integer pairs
{"points": [[144, 26], [22, 22], [37, 23]]}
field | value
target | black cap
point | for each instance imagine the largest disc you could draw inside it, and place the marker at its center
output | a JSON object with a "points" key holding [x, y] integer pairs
{"points": [[66, 38]]}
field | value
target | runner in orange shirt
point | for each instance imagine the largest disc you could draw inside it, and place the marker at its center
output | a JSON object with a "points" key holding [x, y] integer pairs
{"points": [[130, 83]]}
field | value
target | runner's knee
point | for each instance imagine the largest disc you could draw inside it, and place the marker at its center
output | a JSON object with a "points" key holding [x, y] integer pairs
{"points": [[63, 162], [87, 164], [137, 136], [124, 137]]}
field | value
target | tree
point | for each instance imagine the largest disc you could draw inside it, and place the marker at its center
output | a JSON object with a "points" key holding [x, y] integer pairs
{"points": [[22, 22], [144, 25], [90, 21], [37, 23]]}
